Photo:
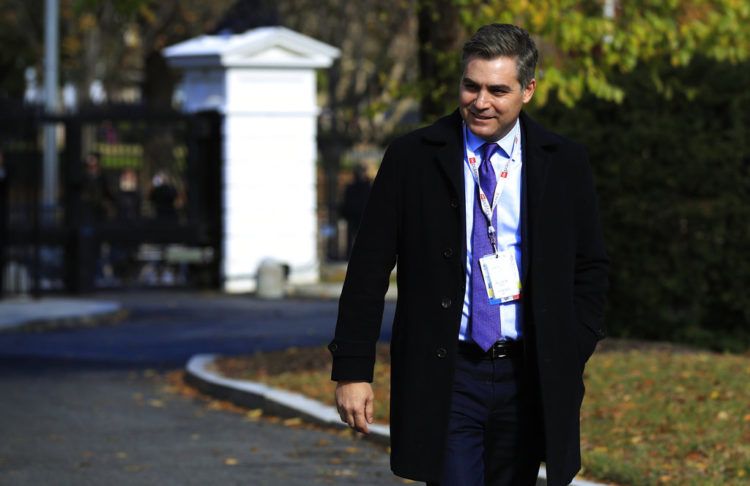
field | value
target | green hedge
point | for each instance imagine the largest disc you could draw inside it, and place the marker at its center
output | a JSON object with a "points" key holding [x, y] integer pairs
{"points": [[673, 177]]}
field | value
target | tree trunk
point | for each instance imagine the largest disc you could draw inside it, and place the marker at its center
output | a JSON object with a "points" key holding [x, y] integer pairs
{"points": [[158, 82], [440, 36]]}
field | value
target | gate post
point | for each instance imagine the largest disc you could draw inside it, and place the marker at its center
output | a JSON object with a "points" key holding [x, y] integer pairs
{"points": [[264, 83]]}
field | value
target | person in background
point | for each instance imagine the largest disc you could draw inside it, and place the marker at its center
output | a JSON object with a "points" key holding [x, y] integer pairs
{"points": [[128, 215], [97, 201], [97, 206], [163, 196], [354, 202], [128, 197]]}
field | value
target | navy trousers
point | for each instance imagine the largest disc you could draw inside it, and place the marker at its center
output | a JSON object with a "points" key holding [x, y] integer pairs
{"points": [[494, 429]]}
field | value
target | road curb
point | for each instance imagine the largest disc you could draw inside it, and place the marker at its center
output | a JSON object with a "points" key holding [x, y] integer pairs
{"points": [[282, 403], [200, 372]]}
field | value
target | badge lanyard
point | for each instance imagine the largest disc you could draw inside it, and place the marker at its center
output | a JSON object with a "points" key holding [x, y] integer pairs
{"points": [[488, 210]]}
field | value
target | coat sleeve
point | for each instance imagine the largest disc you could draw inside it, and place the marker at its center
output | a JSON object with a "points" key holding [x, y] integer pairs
{"points": [[591, 262], [372, 259]]}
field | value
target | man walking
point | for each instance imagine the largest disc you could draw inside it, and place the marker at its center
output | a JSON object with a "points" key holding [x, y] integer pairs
{"points": [[502, 276]]}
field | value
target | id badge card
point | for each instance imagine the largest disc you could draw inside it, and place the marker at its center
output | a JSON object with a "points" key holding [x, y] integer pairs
{"points": [[501, 278]]}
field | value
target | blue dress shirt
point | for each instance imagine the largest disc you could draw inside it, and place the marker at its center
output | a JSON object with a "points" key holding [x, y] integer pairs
{"points": [[508, 222]]}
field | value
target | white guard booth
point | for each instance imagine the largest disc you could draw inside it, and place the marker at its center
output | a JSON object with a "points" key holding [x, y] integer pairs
{"points": [[263, 81]]}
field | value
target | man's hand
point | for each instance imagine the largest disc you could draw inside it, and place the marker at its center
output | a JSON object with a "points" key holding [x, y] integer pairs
{"points": [[354, 401]]}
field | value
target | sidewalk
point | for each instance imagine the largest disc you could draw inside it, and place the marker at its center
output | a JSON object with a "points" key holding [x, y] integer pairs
{"points": [[27, 314]]}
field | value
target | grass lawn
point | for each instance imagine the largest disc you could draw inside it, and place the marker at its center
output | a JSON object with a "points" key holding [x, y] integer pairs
{"points": [[653, 414]]}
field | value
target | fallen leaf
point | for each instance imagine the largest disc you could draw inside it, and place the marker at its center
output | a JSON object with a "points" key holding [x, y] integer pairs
{"points": [[254, 414], [292, 422], [214, 405], [156, 403], [231, 461], [695, 456]]}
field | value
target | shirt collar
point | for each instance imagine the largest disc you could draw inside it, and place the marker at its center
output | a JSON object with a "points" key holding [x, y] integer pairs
{"points": [[506, 143]]}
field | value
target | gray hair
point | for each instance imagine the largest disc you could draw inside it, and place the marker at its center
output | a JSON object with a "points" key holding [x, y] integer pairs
{"points": [[504, 40]]}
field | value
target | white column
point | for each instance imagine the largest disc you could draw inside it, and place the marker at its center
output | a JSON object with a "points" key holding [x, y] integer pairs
{"points": [[269, 174]]}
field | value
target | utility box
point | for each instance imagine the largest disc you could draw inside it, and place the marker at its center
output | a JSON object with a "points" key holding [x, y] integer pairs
{"points": [[271, 280], [264, 83]]}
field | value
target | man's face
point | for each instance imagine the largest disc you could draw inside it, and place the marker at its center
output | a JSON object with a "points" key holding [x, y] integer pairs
{"points": [[92, 164], [490, 96]]}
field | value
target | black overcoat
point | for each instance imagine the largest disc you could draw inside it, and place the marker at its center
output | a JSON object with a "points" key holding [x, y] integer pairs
{"points": [[415, 216]]}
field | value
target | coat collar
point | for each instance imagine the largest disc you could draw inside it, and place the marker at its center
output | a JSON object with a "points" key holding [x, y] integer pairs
{"points": [[537, 144], [445, 134]]}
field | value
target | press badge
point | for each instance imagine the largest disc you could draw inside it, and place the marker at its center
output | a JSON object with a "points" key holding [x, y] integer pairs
{"points": [[501, 278]]}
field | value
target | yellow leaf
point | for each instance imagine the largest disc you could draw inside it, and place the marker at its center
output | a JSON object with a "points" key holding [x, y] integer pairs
{"points": [[293, 422], [231, 461], [254, 414]]}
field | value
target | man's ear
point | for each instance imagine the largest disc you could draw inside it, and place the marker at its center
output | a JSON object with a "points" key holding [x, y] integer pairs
{"points": [[528, 91]]}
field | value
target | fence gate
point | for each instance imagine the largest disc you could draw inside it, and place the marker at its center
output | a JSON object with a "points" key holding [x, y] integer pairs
{"points": [[138, 202]]}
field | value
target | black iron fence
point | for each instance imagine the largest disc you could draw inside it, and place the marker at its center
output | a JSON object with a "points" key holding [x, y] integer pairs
{"points": [[137, 201]]}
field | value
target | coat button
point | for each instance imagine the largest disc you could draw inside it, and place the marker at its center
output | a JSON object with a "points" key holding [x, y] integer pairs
{"points": [[448, 252], [446, 302], [441, 353], [333, 347], [454, 203]]}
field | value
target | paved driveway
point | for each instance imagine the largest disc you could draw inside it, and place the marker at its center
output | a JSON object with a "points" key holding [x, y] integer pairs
{"points": [[93, 406], [166, 328]]}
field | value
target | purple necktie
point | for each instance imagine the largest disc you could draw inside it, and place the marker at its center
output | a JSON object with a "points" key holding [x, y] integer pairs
{"points": [[485, 318]]}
